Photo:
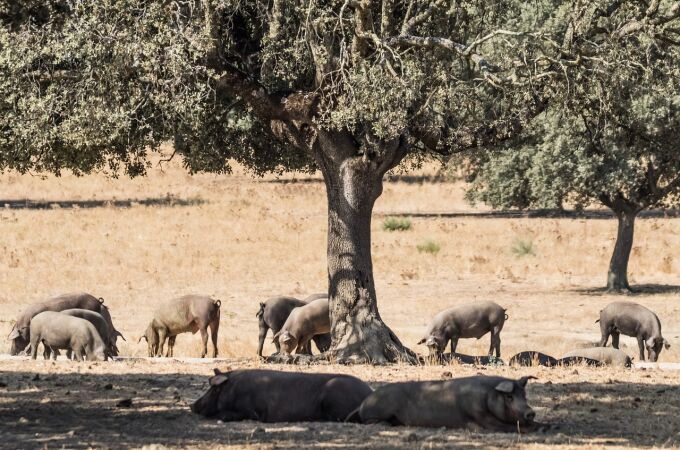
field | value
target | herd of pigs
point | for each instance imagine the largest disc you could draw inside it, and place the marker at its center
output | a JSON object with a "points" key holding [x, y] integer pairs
{"points": [[81, 325]]}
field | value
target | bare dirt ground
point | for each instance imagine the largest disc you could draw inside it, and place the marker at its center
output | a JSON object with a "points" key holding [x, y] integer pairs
{"points": [[243, 240]]}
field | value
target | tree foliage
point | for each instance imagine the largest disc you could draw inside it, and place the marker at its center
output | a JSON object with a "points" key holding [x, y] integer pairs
{"points": [[87, 85], [611, 139]]}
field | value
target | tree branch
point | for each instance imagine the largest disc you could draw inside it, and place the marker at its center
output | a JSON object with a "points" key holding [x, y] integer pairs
{"points": [[410, 24], [634, 26], [492, 35], [299, 106], [484, 66], [490, 133], [363, 28], [387, 19]]}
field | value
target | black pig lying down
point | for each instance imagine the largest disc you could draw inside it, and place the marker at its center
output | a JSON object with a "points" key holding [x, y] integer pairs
{"points": [[531, 358], [492, 403], [275, 396]]}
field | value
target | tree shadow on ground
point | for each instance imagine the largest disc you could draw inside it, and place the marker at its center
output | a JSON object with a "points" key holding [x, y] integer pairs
{"points": [[591, 214], [87, 204], [397, 178], [637, 290], [80, 411]]}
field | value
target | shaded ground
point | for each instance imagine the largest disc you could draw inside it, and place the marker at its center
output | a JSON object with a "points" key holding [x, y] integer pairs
{"points": [[112, 203], [75, 406]]}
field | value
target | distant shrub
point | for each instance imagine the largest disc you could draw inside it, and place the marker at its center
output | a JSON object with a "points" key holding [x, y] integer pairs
{"points": [[523, 247], [397, 224], [429, 246]]}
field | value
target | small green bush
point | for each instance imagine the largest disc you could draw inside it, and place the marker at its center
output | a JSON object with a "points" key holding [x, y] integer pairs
{"points": [[523, 247], [429, 246], [397, 224]]}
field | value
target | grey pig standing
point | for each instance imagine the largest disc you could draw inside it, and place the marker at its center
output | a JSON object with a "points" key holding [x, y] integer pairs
{"points": [[302, 325], [20, 334], [277, 396], [472, 320], [492, 403], [187, 314], [273, 314], [634, 320], [100, 324], [57, 331]]}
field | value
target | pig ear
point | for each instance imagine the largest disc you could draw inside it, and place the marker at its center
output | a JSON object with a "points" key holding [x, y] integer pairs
{"points": [[505, 387], [216, 371], [218, 379], [523, 381], [666, 344], [422, 341]]}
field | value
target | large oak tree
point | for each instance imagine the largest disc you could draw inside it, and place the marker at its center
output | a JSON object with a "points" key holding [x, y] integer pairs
{"points": [[349, 87]]}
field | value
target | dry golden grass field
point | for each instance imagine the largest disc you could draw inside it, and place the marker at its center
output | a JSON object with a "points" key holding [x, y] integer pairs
{"points": [[243, 239]]}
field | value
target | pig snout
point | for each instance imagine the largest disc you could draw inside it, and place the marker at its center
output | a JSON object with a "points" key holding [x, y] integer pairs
{"points": [[434, 345], [19, 344], [205, 406], [522, 412]]}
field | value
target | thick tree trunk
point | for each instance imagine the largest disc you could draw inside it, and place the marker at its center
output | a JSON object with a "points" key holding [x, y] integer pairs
{"points": [[353, 184], [617, 277]]}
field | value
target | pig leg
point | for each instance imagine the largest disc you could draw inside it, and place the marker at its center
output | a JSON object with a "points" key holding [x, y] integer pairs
{"points": [[303, 346], [162, 335], [214, 328], [171, 346], [34, 346], [454, 344], [605, 330], [615, 339], [263, 335], [46, 351], [641, 344], [495, 342], [78, 354], [204, 338]]}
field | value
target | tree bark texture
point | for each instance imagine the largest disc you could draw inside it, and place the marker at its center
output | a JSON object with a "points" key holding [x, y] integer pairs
{"points": [[353, 183], [617, 276]]}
